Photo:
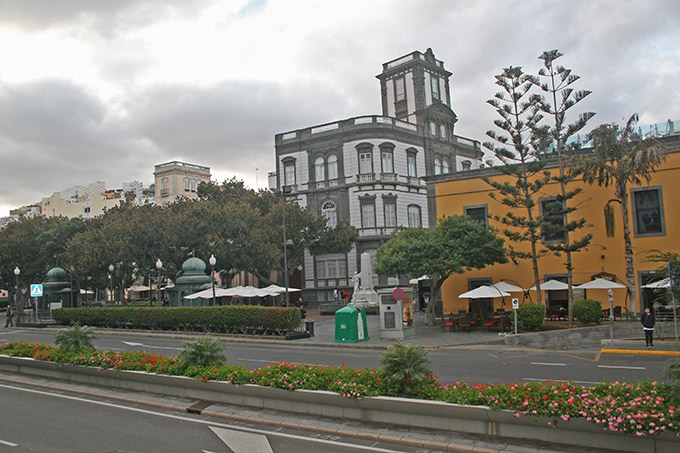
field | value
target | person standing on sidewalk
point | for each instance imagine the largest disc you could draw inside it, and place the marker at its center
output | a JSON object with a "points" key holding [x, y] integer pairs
{"points": [[10, 316], [648, 321]]}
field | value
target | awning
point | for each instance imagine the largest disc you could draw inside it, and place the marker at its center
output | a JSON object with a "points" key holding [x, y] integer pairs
{"points": [[508, 288]]}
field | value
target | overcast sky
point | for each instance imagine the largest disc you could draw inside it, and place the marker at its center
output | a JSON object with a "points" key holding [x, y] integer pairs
{"points": [[102, 90]]}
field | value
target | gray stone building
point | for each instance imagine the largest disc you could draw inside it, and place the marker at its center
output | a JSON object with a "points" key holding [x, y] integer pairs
{"points": [[368, 170]]}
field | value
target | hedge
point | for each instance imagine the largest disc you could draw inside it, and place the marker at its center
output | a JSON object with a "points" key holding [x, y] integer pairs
{"points": [[588, 311], [530, 316], [239, 319]]}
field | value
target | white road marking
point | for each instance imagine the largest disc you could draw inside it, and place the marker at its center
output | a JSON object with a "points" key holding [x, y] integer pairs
{"points": [[12, 331], [201, 422], [623, 367], [277, 361], [8, 443], [558, 380], [149, 346], [548, 364], [240, 442]]}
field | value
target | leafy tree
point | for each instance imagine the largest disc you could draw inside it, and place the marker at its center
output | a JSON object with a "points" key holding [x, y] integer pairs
{"points": [[75, 337], [19, 247], [456, 244], [516, 147], [557, 85], [669, 267], [404, 365], [621, 158], [204, 351]]}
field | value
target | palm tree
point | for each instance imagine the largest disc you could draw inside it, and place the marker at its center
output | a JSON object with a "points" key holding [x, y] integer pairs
{"points": [[75, 338], [204, 351], [621, 157], [404, 365]]}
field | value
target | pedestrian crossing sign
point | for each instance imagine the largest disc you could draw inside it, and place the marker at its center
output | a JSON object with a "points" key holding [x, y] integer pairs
{"points": [[37, 290]]}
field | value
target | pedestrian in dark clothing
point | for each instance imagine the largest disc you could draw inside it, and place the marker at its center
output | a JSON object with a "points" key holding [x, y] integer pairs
{"points": [[648, 321], [10, 316]]}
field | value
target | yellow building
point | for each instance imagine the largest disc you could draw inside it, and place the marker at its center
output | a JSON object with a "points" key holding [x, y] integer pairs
{"points": [[655, 225], [87, 202], [174, 180]]}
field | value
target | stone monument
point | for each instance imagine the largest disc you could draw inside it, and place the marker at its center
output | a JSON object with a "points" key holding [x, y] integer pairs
{"points": [[364, 294]]}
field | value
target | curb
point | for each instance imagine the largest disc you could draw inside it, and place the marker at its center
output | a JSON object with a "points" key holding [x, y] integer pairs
{"points": [[639, 352]]}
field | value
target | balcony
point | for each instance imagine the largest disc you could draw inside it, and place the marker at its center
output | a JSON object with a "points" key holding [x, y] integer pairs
{"points": [[388, 177], [366, 178], [382, 231], [165, 192]]}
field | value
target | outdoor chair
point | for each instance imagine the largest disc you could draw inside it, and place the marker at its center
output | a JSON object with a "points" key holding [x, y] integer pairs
{"points": [[449, 324], [617, 312], [605, 314]]}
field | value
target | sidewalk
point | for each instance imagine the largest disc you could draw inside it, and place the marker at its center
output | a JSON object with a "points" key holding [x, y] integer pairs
{"points": [[430, 337]]}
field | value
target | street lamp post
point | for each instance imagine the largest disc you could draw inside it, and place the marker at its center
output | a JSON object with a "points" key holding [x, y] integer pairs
{"points": [[159, 266], [285, 190], [212, 262], [17, 271], [111, 268]]}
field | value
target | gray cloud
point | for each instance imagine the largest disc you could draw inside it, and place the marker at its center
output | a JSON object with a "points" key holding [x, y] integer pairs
{"points": [[55, 133]]}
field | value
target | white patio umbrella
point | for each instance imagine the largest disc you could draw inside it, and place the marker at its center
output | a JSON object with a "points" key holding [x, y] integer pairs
{"points": [[207, 294], [483, 292], [138, 288], [551, 285], [664, 283], [281, 289], [508, 288], [600, 283], [250, 291]]}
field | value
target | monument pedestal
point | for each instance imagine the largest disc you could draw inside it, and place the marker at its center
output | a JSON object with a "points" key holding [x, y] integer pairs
{"points": [[365, 298]]}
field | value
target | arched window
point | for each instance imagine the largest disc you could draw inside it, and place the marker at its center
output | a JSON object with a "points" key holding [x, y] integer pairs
{"points": [[414, 220], [319, 169], [332, 167], [329, 211], [437, 166], [446, 167]]}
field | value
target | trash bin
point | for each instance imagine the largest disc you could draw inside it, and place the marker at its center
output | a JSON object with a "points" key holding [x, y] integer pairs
{"points": [[309, 326], [350, 325]]}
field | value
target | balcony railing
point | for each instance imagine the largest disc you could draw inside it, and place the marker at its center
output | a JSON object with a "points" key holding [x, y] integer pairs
{"points": [[365, 178], [381, 231], [388, 177]]}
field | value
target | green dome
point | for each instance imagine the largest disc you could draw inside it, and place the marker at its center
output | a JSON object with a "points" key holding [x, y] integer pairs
{"points": [[57, 274], [194, 266]]}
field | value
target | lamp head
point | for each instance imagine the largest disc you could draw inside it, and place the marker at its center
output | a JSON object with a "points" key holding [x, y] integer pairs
{"points": [[17, 271], [159, 264], [212, 260]]}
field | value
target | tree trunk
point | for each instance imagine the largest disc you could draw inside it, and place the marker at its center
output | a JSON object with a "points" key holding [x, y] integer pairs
{"points": [[627, 249], [430, 313], [534, 260]]}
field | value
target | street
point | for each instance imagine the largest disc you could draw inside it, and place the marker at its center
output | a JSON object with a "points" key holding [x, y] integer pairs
{"points": [[37, 420], [482, 363]]}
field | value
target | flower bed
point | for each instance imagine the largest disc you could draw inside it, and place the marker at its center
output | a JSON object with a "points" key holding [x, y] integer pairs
{"points": [[641, 408]]}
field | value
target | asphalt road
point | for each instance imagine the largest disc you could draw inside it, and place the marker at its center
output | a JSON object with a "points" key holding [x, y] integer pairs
{"points": [[36, 420], [483, 364]]}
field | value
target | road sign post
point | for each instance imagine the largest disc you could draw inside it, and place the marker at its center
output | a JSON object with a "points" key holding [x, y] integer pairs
{"points": [[515, 306]]}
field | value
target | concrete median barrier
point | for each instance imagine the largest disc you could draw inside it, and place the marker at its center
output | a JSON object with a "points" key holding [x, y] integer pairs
{"points": [[393, 411]]}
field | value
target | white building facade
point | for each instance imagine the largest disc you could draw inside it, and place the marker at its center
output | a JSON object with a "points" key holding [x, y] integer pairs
{"points": [[368, 170]]}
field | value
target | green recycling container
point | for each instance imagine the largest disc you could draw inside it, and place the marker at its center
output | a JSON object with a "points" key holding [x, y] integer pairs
{"points": [[350, 325]]}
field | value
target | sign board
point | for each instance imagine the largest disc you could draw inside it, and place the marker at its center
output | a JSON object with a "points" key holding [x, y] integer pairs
{"points": [[398, 293], [515, 303], [37, 290]]}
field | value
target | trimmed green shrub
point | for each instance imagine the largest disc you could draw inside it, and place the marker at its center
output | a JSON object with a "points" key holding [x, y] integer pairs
{"points": [[75, 338], [588, 311], [530, 316], [202, 352], [239, 319], [404, 366]]}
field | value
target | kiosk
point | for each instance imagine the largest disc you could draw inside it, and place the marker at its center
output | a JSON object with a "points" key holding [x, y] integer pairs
{"points": [[396, 316]]}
